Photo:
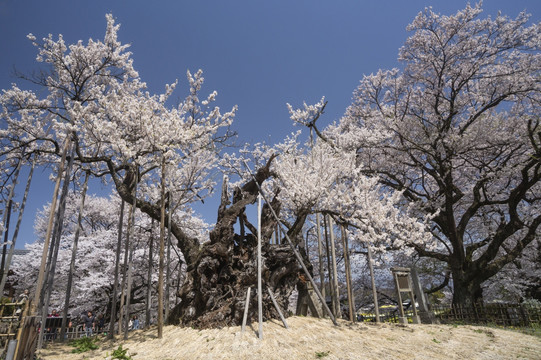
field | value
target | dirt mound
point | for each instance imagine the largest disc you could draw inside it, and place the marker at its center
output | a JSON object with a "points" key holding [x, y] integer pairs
{"points": [[311, 338]]}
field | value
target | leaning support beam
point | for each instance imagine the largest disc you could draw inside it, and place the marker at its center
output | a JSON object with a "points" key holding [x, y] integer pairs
{"points": [[297, 255], [277, 307], [246, 306]]}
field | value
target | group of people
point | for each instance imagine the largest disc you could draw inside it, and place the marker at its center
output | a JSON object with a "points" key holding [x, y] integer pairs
{"points": [[92, 324]]}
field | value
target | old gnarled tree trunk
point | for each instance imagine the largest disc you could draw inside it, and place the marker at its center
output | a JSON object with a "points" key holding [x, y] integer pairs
{"points": [[220, 271]]}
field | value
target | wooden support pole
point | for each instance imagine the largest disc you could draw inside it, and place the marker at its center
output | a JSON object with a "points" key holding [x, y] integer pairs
{"points": [[336, 292], [277, 307], [161, 253], [55, 246], [246, 306], [17, 227], [259, 287], [149, 276], [111, 333], [168, 257], [320, 255], [347, 266], [121, 320], [52, 210], [73, 257], [373, 281], [7, 213], [130, 249]]}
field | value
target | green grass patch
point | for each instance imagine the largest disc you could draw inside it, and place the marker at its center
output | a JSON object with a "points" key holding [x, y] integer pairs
{"points": [[322, 354], [84, 344], [121, 354]]}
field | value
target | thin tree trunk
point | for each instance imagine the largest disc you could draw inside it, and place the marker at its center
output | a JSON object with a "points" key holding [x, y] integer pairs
{"points": [[55, 246], [351, 299], [149, 277], [17, 227], [73, 257], [41, 274], [161, 255], [111, 333]]}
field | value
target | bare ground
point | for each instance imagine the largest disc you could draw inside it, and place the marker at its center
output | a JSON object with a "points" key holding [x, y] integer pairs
{"points": [[311, 338]]}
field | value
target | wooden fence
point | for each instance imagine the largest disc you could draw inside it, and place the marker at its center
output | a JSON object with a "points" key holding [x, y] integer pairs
{"points": [[497, 314]]}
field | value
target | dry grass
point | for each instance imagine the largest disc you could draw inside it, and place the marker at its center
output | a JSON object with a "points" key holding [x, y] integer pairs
{"points": [[310, 338]]}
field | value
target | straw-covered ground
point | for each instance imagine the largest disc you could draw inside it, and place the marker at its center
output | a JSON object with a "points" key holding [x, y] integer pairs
{"points": [[311, 338]]}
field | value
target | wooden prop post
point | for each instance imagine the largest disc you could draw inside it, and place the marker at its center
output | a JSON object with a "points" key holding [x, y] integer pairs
{"points": [[246, 306], [277, 307], [259, 287], [351, 298], [336, 290], [320, 255], [373, 281]]}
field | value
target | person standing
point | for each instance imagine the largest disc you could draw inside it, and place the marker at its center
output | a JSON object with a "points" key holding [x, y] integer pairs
{"points": [[100, 320], [88, 323], [135, 323]]}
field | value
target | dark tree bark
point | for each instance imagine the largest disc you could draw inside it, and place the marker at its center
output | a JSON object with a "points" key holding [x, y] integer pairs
{"points": [[214, 292]]}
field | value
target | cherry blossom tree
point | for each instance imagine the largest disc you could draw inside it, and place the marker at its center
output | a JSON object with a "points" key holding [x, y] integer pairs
{"points": [[457, 131], [95, 262], [95, 100]]}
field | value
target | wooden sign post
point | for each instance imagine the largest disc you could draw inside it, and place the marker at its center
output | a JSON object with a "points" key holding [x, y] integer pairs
{"points": [[403, 284]]}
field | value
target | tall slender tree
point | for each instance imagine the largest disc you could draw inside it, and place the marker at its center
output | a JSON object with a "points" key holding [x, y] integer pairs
{"points": [[456, 130]]}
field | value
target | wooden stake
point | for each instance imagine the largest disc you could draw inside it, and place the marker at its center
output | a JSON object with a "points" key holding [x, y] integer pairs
{"points": [[246, 306]]}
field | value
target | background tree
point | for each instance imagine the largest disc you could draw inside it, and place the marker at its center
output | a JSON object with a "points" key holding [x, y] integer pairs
{"points": [[94, 266], [457, 131]]}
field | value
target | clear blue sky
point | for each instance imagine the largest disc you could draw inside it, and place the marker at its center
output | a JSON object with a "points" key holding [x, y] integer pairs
{"points": [[256, 54]]}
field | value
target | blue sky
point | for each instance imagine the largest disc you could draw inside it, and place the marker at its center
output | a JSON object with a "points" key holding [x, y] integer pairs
{"points": [[258, 55]]}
